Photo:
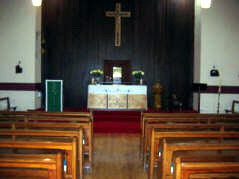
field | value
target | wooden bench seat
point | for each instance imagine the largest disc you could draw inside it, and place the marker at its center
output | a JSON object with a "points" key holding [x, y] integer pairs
{"points": [[185, 169], [179, 128], [52, 133], [186, 118], [165, 118], [68, 147], [8, 173], [159, 136], [201, 157], [180, 123], [59, 120], [87, 136], [53, 163], [43, 113], [215, 176], [169, 149]]}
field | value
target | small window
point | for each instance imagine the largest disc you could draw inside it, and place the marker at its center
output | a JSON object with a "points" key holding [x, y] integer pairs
{"points": [[117, 75]]}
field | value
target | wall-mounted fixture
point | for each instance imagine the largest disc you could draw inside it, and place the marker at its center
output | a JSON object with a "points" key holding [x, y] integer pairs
{"points": [[214, 72], [206, 4], [18, 67], [36, 3]]}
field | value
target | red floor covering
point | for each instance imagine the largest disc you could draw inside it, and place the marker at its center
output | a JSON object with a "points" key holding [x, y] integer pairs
{"points": [[121, 121], [118, 121]]}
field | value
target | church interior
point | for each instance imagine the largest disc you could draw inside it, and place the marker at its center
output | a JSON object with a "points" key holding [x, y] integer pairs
{"points": [[120, 89]]}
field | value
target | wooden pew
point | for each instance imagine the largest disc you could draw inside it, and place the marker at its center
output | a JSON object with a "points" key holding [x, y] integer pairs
{"points": [[177, 118], [186, 118], [87, 142], [73, 120], [53, 163], [85, 122], [159, 136], [23, 174], [215, 176], [53, 133], [170, 148], [69, 147], [181, 127], [203, 157], [164, 118], [210, 169], [43, 113], [146, 116]]}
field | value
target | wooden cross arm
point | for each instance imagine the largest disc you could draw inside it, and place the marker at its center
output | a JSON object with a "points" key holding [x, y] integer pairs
{"points": [[110, 14]]}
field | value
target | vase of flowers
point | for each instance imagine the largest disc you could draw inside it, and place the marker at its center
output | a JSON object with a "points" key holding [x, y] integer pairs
{"points": [[138, 76], [96, 75]]}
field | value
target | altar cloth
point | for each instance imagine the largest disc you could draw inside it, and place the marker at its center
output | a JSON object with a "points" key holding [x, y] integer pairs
{"points": [[133, 97]]}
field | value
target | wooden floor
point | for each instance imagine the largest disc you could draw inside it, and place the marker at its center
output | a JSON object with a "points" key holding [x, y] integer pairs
{"points": [[116, 156]]}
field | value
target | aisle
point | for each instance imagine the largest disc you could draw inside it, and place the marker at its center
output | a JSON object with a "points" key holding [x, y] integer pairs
{"points": [[116, 156]]}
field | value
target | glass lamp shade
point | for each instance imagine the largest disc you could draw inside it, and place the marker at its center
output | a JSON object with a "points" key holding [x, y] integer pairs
{"points": [[206, 4], [36, 3]]}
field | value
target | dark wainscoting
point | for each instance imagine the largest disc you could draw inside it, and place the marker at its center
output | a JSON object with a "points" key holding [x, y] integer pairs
{"points": [[21, 86], [158, 39], [224, 89]]}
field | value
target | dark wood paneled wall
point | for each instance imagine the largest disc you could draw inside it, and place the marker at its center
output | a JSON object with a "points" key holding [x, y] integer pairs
{"points": [[158, 39]]}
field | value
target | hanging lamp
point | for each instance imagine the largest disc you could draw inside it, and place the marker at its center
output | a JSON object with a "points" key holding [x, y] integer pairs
{"points": [[206, 4], [36, 3]]}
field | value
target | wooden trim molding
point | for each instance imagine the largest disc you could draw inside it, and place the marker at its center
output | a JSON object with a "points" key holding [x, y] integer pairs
{"points": [[224, 89], [21, 86]]}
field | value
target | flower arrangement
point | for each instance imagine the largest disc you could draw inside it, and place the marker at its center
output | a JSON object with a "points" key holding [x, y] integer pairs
{"points": [[138, 74], [96, 73]]}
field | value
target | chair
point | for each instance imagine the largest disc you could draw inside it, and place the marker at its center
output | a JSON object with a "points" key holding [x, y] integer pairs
{"points": [[233, 110], [5, 104]]}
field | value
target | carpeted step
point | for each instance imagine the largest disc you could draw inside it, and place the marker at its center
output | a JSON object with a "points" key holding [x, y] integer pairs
{"points": [[116, 118], [117, 127], [114, 112], [117, 121]]}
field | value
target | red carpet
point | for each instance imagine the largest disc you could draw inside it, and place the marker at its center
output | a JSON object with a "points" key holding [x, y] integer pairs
{"points": [[117, 121], [121, 121]]}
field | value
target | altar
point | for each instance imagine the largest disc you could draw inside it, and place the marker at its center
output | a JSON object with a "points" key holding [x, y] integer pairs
{"points": [[122, 97]]}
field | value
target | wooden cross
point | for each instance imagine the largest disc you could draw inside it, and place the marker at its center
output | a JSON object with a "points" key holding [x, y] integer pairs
{"points": [[117, 14]]}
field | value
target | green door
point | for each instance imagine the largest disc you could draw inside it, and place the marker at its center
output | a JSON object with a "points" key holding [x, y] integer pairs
{"points": [[54, 95]]}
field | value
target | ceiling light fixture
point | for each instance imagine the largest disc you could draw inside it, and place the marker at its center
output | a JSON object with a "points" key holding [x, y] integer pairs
{"points": [[36, 3], [206, 4]]}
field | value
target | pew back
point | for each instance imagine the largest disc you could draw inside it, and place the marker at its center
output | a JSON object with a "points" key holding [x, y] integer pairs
{"points": [[56, 120], [52, 133], [210, 169], [158, 135], [53, 163]]}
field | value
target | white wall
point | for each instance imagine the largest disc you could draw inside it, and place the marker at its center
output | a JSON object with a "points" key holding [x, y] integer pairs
{"points": [[219, 47], [28, 99], [19, 22]]}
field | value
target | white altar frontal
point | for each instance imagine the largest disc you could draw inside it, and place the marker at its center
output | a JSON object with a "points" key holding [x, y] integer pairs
{"points": [[124, 97]]}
